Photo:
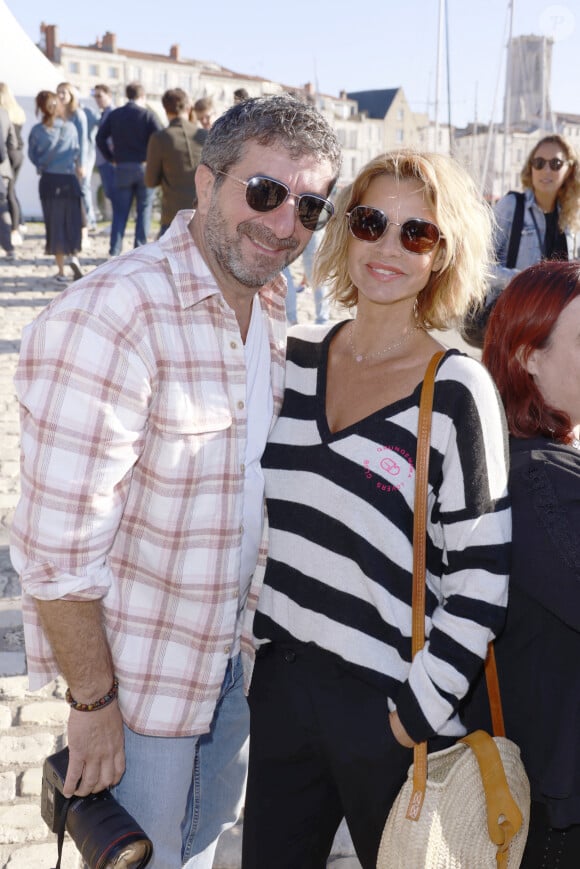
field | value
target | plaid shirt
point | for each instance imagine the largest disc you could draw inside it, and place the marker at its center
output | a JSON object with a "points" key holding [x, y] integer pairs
{"points": [[132, 387]]}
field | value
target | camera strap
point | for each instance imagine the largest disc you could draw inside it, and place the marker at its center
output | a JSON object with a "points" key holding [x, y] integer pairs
{"points": [[61, 829]]}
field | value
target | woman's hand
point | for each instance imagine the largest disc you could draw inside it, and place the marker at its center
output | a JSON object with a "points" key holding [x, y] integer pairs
{"points": [[399, 731]]}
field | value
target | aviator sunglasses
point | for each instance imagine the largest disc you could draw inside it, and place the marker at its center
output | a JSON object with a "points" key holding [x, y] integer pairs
{"points": [[370, 224], [266, 194], [555, 163]]}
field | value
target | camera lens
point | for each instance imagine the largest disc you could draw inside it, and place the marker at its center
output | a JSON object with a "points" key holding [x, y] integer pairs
{"points": [[134, 856], [106, 834]]}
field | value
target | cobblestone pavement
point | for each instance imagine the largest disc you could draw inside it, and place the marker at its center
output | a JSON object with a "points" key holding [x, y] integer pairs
{"points": [[32, 725]]}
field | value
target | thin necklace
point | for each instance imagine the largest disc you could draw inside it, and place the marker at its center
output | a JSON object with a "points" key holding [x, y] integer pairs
{"points": [[362, 357]]}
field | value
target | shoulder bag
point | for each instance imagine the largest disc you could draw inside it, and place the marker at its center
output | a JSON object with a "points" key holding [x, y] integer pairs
{"points": [[466, 807]]}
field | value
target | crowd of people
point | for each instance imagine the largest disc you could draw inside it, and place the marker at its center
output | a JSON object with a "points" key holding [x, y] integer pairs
{"points": [[73, 139], [223, 509]]}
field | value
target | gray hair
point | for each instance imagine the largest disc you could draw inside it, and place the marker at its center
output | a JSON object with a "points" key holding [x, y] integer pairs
{"points": [[283, 119]]}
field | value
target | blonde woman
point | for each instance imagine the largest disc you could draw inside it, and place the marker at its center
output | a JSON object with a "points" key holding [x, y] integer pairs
{"points": [[551, 181], [74, 112], [16, 156], [336, 704]]}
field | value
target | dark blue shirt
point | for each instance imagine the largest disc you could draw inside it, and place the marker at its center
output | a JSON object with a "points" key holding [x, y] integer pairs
{"points": [[129, 127]]}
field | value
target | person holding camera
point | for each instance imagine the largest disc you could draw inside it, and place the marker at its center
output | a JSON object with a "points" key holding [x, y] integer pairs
{"points": [[147, 392]]}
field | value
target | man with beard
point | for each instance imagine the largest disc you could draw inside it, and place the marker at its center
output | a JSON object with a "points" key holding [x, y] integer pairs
{"points": [[147, 392]]}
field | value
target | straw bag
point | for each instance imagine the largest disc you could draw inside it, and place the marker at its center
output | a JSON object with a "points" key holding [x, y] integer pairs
{"points": [[466, 807]]}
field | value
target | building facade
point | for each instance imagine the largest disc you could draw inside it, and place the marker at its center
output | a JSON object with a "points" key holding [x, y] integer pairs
{"points": [[367, 122]]}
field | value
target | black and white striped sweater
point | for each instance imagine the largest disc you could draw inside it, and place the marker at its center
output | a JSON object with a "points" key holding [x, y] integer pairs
{"points": [[340, 509]]}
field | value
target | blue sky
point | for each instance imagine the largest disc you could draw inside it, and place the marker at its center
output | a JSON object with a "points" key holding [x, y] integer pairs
{"points": [[339, 44]]}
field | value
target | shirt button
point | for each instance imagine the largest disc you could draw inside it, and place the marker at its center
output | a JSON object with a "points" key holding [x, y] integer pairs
{"points": [[289, 656], [233, 345], [242, 468], [227, 649], [241, 405]]}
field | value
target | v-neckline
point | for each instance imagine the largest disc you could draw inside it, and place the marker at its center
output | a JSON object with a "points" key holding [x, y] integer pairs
{"points": [[324, 430]]}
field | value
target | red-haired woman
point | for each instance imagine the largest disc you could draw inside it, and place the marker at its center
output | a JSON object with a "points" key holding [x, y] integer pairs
{"points": [[532, 349]]}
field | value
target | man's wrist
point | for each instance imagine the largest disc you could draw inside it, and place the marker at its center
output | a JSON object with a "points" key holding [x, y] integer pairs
{"points": [[100, 703]]}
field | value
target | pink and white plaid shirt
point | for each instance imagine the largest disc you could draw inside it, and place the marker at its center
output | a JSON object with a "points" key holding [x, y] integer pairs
{"points": [[132, 387]]}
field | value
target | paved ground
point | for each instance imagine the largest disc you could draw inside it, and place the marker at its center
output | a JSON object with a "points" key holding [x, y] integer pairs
{"points": [[32, 725]]}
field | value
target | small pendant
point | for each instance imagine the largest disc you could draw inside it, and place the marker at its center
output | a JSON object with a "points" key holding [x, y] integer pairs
{"points": [[359, 358]]}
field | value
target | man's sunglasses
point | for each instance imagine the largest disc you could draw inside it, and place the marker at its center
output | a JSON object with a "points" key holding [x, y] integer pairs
{"points": [[555, 163], [370, 224], [265, 194]]}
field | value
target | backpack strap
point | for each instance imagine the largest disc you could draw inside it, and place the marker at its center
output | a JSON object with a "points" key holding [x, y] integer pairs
{"points": [[516, 230]]}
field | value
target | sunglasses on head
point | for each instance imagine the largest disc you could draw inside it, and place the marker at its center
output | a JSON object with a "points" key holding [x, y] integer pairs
{"points": [[370, 224], [265, 194], [555, 163]]}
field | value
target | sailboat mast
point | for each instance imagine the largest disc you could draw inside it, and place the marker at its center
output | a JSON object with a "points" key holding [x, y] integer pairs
{"points": [[507, 99], [438, 75]]}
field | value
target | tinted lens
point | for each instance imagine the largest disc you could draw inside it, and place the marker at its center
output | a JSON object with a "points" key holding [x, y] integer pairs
{"points": [[555, 163], [367, 224], [419, 236], [265, 194], [370, 224], [314, 211]]}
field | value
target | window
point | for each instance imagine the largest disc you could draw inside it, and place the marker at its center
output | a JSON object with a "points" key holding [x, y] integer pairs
{"points": [[400, 114], [74, 67], [113, 72], [400, 136], [94, 69]]}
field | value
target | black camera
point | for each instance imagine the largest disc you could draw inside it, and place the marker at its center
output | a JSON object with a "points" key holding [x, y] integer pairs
{"points": [[103, 831]]}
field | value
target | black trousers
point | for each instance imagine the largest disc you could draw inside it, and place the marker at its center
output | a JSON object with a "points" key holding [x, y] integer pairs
{"points": [[321, 749]]}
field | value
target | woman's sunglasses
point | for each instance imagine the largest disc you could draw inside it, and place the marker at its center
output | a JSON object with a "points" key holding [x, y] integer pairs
{"points": [[555, 163], [265, 194], [370, 224]]}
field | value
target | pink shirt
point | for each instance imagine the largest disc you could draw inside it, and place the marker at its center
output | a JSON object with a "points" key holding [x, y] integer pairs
{"points": [[133, 414]]}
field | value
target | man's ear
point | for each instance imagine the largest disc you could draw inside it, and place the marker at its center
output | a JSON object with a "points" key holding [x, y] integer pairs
{"points": [[204, 181]]}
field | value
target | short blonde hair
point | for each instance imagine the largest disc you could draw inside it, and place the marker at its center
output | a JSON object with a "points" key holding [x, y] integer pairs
{"points": [[465, 222], [568, 196]]}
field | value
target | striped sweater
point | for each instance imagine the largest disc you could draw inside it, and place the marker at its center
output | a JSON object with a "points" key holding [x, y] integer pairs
{"points": [[340, 509]]}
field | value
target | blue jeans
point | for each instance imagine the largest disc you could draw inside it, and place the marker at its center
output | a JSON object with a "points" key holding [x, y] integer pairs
{"points": [[87, 192], [186, 791], [107, 173], [291, 310], [128, 185]]}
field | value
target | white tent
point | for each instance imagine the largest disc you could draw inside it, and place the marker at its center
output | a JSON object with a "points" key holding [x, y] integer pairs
{"points": [[26, 71]]}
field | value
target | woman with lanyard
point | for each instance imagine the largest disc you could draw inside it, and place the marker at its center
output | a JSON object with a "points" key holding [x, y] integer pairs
{"points": [[551, 213]]}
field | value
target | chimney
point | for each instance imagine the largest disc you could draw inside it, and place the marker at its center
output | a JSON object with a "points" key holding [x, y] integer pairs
{"points": [[174, 52], [49, 34], [110, 42]]}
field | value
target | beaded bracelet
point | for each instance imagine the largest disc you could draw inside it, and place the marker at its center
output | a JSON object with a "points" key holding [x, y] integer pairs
{"points": [[96, 704]]}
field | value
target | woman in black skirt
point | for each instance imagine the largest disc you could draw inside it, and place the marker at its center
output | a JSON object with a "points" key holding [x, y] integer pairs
{"points": [[53, 147]]}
